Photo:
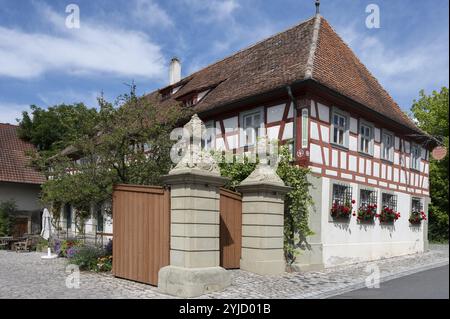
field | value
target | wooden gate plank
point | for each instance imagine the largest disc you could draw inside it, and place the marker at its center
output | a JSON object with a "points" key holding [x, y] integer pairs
{"points": [[230, 229]]}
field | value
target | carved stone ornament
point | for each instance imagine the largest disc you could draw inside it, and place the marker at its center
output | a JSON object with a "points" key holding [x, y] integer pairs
{"points": [[195, 157]]}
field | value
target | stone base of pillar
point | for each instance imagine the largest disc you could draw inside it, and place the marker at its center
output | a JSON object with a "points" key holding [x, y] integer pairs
{"points": [[264, 267], [192, 282]]}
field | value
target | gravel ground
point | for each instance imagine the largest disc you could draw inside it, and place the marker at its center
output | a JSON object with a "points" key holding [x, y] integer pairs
{"points": [[26, 275]]}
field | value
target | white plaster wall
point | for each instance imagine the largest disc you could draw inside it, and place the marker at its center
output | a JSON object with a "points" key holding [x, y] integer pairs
{"points": [[314, 131], [324, 112], [353, 125], [288, 131], [315, 153], [325, 131], [353, 143], [345, 243]]}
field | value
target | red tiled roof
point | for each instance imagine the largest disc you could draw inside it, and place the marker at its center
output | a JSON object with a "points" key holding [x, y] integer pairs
{"points": [[309, 50], [13, 160]]}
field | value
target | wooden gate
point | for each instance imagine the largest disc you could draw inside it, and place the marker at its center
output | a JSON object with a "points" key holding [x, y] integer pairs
{"points": [[141, 232], [230, 229]]}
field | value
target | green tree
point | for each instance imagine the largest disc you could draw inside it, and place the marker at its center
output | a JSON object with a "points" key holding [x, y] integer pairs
{"points": [[129, 143], [52, 129], [7, 210], [432, 115]]}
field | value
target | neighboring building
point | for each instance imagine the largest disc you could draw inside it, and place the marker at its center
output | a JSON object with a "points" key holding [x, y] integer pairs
{"points": [[18, 181], [306, 88]]}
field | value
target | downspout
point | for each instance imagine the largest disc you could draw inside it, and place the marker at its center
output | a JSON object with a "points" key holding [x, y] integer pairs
{"points": [[294, 126]]}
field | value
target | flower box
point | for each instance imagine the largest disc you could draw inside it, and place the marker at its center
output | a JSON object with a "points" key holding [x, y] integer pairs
{"points": [[367, 213], [342, 211], [388, 215], [416, 218]]}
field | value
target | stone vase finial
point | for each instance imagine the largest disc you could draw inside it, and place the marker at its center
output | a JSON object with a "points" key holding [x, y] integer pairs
{"points": [[194, 157]]}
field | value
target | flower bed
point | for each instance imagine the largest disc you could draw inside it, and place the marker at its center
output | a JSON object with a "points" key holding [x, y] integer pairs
{"points": [[388, 215], [367, 213], [339, 211], [416, 218]]}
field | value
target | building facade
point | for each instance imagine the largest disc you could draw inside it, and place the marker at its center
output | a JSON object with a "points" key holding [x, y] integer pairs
{"points": [[19, 182]]}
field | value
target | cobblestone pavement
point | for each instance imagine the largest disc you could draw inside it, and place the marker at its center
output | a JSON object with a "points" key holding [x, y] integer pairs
{"points": [[26, 275]]}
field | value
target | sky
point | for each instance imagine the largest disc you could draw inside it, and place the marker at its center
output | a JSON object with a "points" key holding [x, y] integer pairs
{"points": [[44, 62]]}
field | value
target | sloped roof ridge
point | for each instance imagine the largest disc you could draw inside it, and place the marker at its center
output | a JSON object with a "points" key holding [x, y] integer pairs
{"points": [[313, 49], [398, 110], [244, 49]]}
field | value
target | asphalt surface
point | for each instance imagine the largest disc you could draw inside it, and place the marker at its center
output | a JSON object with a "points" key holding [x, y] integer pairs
{"points": [[429, 284]]}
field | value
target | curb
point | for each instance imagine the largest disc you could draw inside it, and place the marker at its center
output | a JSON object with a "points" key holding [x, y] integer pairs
{"points": [[360, 285]]}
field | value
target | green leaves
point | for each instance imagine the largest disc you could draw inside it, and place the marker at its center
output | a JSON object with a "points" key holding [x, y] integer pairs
{"points": [[432, 114], [297, 201]]}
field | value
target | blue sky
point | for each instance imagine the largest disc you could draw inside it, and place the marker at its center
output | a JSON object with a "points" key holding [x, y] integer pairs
{"points": [[42, 62]]}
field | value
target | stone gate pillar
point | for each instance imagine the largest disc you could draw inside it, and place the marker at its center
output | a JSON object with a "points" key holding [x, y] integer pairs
{"points": [[195, 219], [263, 221]]}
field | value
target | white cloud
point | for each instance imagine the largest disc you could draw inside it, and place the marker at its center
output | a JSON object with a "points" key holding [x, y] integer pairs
{"points": [[94, 48], [403, 69], [9, 112], [150, 13], [213, 10]]}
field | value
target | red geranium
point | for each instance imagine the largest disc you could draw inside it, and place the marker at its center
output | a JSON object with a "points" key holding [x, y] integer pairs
{"points": [[388, 215]]}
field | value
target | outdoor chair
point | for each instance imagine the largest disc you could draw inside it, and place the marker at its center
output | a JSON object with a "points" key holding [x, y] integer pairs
{"points": [[24, 245]]}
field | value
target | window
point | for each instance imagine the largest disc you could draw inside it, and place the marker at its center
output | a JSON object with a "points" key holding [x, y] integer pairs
{"points": [[209, 137], [416, 205], [342, 195], [367, 197], [305, 128], [250, 122], [365, 138], [340, 129], [415, 157], [100, 220], [68, 215], [387, 146], [389, 200]]}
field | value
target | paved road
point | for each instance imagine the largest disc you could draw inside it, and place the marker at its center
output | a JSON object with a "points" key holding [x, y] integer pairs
{"points": [[429, 284]]}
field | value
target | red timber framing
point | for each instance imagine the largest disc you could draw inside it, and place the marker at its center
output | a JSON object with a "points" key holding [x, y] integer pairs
{"points": [[309, 95]]}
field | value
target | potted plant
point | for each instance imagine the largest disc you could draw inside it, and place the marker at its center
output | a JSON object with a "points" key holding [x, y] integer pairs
{"points": [[388, 215], [367, 213], [416, 218], [342, 211]]}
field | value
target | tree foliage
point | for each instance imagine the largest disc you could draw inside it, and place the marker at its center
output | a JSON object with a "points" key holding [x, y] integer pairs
{"points": [[7, 210], [432, 115], [297, 201], [126, 141]]}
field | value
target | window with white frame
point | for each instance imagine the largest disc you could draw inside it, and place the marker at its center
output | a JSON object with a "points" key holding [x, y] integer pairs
{"points": [[367, 197], [340, 129], [416, 205], [365, 138], [250, 122], [415, 157], [389, 200], [387, 146], [209, 136]]}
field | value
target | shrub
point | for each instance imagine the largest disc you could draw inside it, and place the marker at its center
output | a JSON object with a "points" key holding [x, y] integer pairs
{"points": [[104, 264], [61, 248], [109, 248], [41, 244], [86, 257], [7, 210]]}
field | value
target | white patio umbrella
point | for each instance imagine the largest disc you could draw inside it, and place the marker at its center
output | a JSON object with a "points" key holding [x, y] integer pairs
{"points": [[46, 224]]}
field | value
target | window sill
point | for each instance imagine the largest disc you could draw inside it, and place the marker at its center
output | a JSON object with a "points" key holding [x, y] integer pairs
{"points": [[387, 161], [365, 154], [339, 146]]}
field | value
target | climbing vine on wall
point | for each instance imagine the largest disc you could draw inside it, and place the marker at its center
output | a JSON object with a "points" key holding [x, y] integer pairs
{"points": [[297, 202]]}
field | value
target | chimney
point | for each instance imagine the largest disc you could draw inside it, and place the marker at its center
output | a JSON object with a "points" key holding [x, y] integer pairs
{"points": [[174, 71]]}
